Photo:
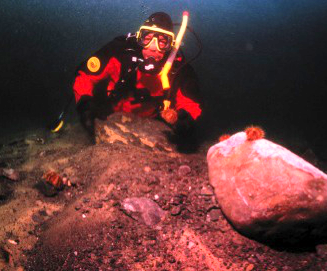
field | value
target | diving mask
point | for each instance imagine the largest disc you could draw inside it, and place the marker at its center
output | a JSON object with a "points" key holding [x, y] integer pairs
{"points": [[163, 39]]}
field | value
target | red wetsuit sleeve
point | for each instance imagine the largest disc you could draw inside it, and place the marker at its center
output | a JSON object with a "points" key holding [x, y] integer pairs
{"points": [[187, 93], [183, 102], [85, 81]]}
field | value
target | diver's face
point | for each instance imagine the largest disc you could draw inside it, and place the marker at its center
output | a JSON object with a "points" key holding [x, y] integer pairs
{"points": [[152, 49]]}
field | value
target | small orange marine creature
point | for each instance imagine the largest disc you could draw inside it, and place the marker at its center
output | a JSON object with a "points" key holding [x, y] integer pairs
{"points": [[254, 133], [224, 137], [54, 179]]}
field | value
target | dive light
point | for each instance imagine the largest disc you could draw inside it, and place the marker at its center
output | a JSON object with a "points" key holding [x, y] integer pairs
{"points": [[59, 123]]}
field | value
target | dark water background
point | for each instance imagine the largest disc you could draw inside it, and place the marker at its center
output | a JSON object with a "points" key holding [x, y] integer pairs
{"points": [[263, 61]]}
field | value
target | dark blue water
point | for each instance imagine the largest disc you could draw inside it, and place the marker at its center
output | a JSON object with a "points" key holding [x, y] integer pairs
{"points": [[263, 62]]}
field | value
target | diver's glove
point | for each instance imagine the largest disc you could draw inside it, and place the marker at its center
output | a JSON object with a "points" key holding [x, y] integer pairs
{"points": [[84, 109], [184, 133], [102, 105], [102, 108], [184, 124], [169, 115]]}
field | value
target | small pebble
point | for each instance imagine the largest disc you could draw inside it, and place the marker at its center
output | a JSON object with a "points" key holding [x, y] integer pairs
{"points": [[176, 200], [206, 191], [191, 245], [86, 200], [183, 170], [13, 242], [147, 169], [171, 259], [176, 210], [98, 205], [249, 267], [37, 218], [214, 215]]}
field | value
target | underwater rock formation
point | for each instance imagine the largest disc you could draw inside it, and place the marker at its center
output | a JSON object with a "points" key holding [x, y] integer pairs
{"points": [[130, 129], [143, 209], [267, 192]]}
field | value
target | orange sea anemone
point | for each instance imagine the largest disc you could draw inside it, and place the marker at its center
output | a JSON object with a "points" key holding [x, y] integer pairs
{"points": [[224, 137], [254, 133]]}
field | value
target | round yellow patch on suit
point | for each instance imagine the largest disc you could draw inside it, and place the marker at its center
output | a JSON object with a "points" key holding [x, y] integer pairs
{"points": [[93, 64]]}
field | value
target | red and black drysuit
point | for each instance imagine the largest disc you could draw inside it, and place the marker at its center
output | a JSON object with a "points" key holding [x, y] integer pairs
{"points": [[119, 85]]}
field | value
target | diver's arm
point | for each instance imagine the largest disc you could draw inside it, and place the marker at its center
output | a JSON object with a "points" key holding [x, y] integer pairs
{"points": [[92, 82], [187, 93], [102, 65]]}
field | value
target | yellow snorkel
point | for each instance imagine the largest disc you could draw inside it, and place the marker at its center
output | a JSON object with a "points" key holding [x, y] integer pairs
{"points": [[171, 58]]}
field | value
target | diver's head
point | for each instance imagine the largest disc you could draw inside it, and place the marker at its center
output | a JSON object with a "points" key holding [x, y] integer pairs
{"points": [[156, 37]]}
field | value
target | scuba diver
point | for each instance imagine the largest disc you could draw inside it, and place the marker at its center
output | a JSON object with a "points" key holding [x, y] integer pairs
{"points": [[127, 75]]}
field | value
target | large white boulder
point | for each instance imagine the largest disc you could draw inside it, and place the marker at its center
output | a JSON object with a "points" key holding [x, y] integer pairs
{"points": [[267, 192]]}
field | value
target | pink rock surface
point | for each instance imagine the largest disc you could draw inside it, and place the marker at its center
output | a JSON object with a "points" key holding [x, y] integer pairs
{"points": [[266, 191]]}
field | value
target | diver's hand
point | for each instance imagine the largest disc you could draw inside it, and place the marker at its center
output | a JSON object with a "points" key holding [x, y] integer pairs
{"points": [[169, 115], [184, 124]]}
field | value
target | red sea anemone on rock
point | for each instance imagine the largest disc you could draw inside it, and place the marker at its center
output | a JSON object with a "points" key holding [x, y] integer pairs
{"points": [[224, 137], [254, 133]]}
